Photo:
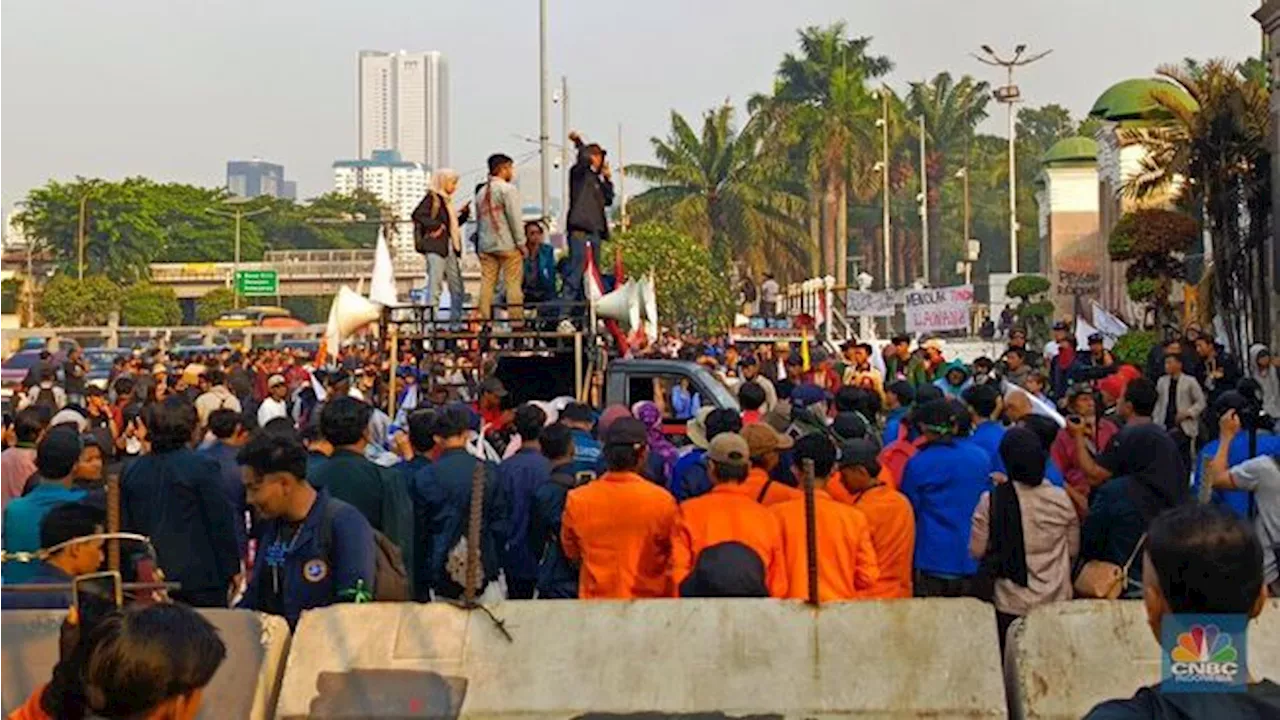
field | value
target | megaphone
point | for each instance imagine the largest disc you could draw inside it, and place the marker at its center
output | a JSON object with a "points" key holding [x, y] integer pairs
{"points": [[349, 312], [649, 307], [622, 305]]}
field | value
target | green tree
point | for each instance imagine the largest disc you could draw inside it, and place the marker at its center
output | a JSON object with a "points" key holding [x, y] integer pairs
{"points": [[67, 302], [712, 188], [1034, 308], [194, 234], [1041, 127], [147, 305], [692, 292], [1153, 242], [214, 303]]}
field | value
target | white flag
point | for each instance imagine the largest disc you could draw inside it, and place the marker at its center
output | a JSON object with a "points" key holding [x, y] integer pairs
{"points": [[382, 286], [1108, 324]]}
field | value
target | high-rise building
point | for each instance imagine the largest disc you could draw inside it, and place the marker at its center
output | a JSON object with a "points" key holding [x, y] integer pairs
{"points": [[404, 105], [251, 178], [398, 183]]}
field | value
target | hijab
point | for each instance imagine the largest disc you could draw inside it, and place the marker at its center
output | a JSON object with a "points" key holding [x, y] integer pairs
{"points": [[648, 413], [1024, 460], [439, 181], [728, 569]]}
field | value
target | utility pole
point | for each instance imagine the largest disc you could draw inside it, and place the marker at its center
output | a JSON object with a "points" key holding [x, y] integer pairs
{"points": [[622, 183], [565, 157], [924, 204], [963, 173], [1009, 95], [239, 214], [544, 89], [84, 199], [883, 122]]}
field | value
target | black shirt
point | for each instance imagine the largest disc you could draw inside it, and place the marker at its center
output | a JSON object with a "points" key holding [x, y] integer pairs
{"points": [[1171, 411], [1260, 700], [73, 377], [1146, 453]]}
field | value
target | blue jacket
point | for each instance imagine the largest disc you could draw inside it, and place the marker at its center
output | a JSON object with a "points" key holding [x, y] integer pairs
{"points": [[557, 576], [232, 486], [519, 477], [892, 426], [1113, 528], [22, 518], [308, 577], [540, 275], [1238, 500], [42, 573], [445, 488], [987, 435], [586, 452], [944, 482], [409, 470], [176, 499], [689, 477]]}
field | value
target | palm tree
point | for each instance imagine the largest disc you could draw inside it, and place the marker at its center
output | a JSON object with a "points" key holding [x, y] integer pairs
{"points": [[821, 96], [716, 186], [951, 110], [1212, 156]]}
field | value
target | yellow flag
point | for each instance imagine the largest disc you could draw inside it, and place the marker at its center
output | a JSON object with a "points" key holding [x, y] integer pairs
{"points": [[804, 349]]}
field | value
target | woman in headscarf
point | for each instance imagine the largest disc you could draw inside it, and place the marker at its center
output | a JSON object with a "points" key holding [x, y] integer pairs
{"points": [[662, 454], [1025, 531], [437, 235], [1263, 369]]}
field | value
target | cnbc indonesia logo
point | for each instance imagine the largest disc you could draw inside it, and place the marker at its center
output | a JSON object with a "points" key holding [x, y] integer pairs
{"points": [[1204, 654]]}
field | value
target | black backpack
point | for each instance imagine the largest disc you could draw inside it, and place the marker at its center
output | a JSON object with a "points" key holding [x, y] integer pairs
{"points": [[47, 398], [390, 578]]}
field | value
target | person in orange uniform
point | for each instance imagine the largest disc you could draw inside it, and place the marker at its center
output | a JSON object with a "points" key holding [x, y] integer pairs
{"points": [[728, 514], [847, 566], [862, 484], [765, 444], [618, 527]]}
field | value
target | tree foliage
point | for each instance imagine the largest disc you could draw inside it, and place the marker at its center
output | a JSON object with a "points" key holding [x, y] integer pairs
{"points": [[1152, 241], [213, 304], [66, 302], [147, 305], [692, 291]]}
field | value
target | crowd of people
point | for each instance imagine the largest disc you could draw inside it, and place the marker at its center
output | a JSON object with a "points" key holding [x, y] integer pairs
{"points": [[266, 483]]}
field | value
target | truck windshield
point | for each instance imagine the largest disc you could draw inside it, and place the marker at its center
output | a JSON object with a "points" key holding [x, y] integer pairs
{"points": [[720, 394]]}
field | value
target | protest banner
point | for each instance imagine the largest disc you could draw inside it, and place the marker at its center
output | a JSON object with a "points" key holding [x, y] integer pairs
{"points": [[860, 303], [938, 309]]}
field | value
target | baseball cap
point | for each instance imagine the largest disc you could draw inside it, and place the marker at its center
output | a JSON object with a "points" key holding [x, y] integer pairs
{"points": [[275, 380], [1096, 339], [808, 394], [747, 361], [1062, 325], [626, 431], [859, 452], [763, 439], [493, 385], [730, 449]]}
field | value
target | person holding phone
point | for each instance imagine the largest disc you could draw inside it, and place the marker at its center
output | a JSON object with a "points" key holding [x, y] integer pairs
{"points": [[590, 192], [437, 235]]}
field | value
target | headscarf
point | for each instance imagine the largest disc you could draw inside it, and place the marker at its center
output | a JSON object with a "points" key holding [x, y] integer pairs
{"points": [[1024, 461], [439, 180], [648, 413], [728, 569]]}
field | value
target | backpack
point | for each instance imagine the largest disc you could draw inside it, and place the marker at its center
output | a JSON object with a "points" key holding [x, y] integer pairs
{"points": [[46, 397], [390, 578]]}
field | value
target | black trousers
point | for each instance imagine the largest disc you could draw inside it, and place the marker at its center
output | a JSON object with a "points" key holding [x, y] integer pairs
{"points": [[521, 589], [927, 585]]}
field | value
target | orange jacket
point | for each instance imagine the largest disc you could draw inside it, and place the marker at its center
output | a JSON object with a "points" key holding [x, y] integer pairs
{"points": [[619, 527], [777, 492], [847, 567], [893, 532], [31, 709], [728, 513]]}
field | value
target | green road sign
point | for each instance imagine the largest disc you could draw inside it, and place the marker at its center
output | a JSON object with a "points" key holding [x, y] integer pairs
{"points": [[257, 282]]}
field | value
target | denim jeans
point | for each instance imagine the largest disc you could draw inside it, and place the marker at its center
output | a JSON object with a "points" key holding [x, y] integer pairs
{"points": [[573, 279], [435, 277], [445, 270]]}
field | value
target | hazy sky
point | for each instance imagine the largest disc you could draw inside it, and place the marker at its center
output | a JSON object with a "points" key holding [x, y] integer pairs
{"points": [[172, 89]]}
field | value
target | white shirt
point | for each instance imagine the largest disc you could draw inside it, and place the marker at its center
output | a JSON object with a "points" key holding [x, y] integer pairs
{"points": [[270, 409]]}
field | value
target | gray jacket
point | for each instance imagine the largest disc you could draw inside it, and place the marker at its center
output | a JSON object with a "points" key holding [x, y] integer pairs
{"points": [[1190, 399], [498, 213]]}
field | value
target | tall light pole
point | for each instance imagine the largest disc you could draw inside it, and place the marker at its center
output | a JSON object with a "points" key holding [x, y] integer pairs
{"points": [[84, 199], [238, 203], [544, 107], [924, 204], [565, 159], [963, 173], [1009, 95], [882, 122]]}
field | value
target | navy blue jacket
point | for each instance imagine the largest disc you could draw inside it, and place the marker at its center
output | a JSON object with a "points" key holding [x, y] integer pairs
{"points": [[689, 477], [309, 578], [519, 477], [176, 499], [944, 482], [1113, 528], [445, 489], [232, 487], [586, 452], [557, 576], [42, 574]]}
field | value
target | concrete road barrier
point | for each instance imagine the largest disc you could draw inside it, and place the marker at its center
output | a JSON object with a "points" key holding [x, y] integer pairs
{"points": [[245, 686], [1063, 659], [894, 659]]}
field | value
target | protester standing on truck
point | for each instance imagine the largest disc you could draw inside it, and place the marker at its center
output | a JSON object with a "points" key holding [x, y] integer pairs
{"points": [[590, 192], [499, 221], [437, 235]]}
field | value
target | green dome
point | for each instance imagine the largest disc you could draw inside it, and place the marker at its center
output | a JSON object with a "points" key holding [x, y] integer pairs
{"points": [[1077, 149], [1133, 100]]}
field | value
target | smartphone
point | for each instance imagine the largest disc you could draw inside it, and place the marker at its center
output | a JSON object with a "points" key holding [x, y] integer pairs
{"points": [[99, 586]]}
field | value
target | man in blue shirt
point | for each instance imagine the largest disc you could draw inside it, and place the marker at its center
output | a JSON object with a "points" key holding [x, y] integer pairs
{"points": [[519, 477], [898, 397], [59, 532], [689, 477], [298, 568], [230, 435], [586, 455], [557, 576], [1265, 443], [56, 457], [944, 481], [985, 404]]}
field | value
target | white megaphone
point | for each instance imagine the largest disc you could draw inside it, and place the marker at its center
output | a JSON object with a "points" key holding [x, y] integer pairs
{"points": [[649, 307], [350, 312], [623, 305]]}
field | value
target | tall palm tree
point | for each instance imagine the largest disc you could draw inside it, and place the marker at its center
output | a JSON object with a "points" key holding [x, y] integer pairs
{"points": [[951, 110], [1213, 157], [821, 95], [716, 186]]}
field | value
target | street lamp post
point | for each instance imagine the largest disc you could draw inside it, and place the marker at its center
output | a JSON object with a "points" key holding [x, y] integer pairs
{"points": [[1009, 95], [544, 137], [963, 173], [924, 205], [239, 214], [883, 123], [84, 199]]}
